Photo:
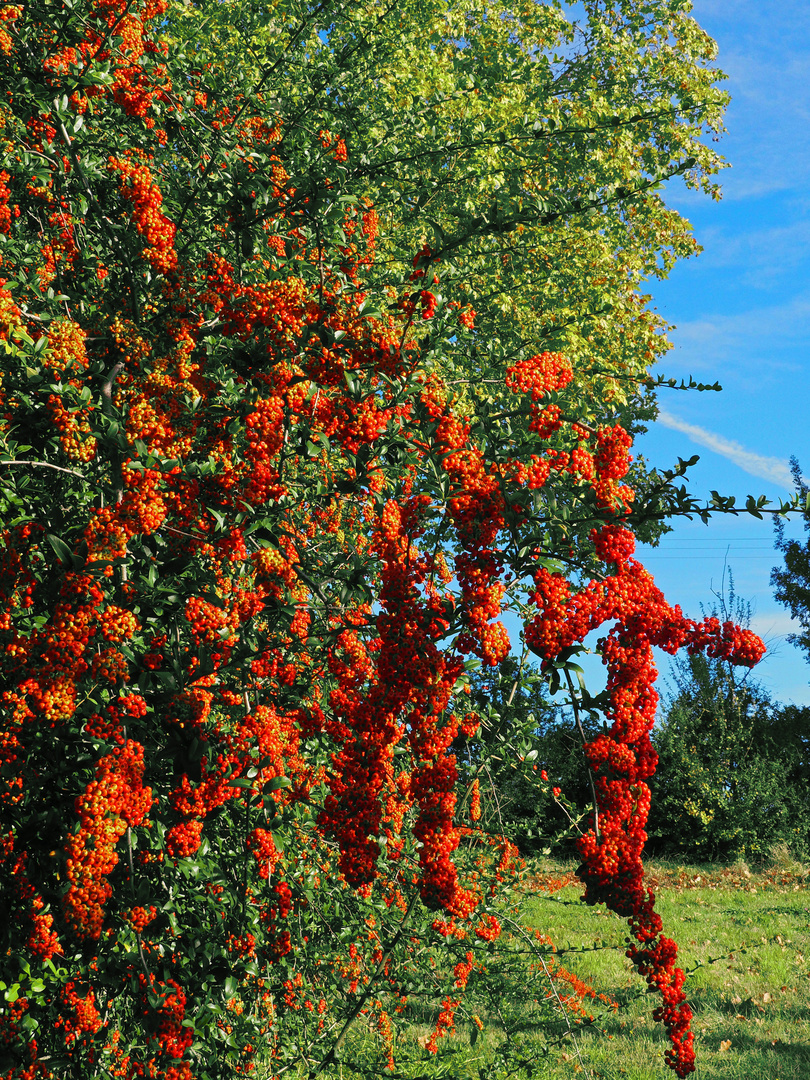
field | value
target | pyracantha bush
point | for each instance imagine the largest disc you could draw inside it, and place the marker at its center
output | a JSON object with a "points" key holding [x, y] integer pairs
{"points": [[252, 542]]}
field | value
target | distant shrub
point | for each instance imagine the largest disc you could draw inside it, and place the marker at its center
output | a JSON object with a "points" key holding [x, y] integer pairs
{"points": [[733, 768]]}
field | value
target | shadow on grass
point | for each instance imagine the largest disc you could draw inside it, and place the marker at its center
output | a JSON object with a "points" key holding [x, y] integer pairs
{"points": [[744, 1045]]}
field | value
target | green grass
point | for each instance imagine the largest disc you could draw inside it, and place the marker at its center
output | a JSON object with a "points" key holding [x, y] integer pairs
{"points": [[744, 939], [746, 935]]}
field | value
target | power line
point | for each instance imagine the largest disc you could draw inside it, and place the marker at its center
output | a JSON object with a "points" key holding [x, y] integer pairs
{"points": [[702, 558]]}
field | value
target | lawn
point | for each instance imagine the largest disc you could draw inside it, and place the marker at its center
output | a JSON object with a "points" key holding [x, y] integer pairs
{"points": [[744, 939]]}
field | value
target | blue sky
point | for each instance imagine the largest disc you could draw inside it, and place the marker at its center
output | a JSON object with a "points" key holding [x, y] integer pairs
{"points": [[742, 317]]}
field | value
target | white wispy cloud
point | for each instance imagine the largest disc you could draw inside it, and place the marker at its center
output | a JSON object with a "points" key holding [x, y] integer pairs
{"points": [[758, 255], [755, 343], [763, 50], [775, 625], [766, 468]]}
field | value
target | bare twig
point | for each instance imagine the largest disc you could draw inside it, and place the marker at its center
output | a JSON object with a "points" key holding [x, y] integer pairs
{"points": [[46, 465], [575, 707], [106, 389], [516, 683], [554, 990], [360, 1003]]}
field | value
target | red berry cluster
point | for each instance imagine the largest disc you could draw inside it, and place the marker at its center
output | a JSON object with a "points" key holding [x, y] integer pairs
{"points": [[541, 374], [78, 1016], [138, 188], [622, 761], [115, 800], [163, 1007]]}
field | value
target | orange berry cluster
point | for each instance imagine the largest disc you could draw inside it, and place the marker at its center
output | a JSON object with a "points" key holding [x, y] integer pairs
{"points": [[138, 188], [165, 1020], [445, 1024], [463, 969], [140, 917], [260, 842], [8, 13], [541, 374], [79, 1015], [475, 800], [115, 800], [624, 759], [5, 191], [183, 840], [75, 435]]}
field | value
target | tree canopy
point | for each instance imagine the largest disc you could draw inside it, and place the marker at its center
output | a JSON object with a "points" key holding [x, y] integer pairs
{"points": [[528, 152]]}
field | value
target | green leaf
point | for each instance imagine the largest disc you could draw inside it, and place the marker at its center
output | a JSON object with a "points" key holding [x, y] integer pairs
{"points": [[277, 783], [63, 552]]}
